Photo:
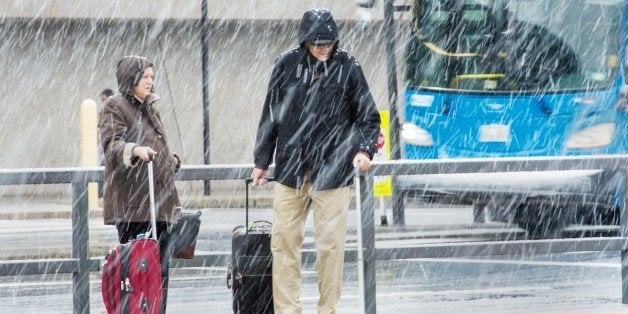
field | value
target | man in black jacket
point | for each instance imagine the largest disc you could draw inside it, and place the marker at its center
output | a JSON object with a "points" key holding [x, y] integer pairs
{"points": [[319, 121]]}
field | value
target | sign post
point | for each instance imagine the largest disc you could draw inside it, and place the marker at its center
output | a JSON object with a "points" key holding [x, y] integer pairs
{"points": [[382, 185]]}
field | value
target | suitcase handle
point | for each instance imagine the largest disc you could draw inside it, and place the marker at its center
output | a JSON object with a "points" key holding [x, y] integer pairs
{"points": [[250, 180], [151, 192], [247, 182]]}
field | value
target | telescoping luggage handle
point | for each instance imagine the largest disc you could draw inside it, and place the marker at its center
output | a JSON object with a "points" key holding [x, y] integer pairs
{"points": [[248, 181], [151, 194]]}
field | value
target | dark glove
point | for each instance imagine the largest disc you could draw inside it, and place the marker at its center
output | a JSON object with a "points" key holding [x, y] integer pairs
{"points": [[178, 166]]}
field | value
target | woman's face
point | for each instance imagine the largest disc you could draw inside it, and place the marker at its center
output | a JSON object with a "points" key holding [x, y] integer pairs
{"points": [[143, 88]]}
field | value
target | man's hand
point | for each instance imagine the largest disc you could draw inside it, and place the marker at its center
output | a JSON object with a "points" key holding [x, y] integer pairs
{"points": [[258, 177], [143, 152], [363, 160]]}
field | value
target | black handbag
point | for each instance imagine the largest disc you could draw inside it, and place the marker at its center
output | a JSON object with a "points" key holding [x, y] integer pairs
{"points": [[183, 235]]}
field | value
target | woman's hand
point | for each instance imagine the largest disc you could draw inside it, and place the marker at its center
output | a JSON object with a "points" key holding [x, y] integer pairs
{"points": [[143, 152]]}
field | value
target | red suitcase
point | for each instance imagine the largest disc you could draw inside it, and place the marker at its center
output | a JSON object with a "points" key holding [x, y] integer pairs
{"points": [[131, 272], [131, 278]]}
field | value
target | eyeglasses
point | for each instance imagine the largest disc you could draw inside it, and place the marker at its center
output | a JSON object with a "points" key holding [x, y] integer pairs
{"points": [[321, 46]]}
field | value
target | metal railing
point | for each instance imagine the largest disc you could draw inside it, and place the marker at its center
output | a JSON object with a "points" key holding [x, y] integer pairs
{"points": [[80, 264]]}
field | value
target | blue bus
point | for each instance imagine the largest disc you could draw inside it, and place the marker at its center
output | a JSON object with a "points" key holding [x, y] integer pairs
{"points": [[499, 78]]}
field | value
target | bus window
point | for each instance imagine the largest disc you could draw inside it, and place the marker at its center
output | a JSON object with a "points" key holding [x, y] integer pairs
{"points": [[502, 45]]}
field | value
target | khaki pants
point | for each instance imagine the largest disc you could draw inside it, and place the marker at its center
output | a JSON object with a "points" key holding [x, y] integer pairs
{"points": [[290, 210]]}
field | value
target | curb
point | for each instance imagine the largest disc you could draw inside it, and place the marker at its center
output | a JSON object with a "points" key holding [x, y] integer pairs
{"points": [[197, 202], [258, 200]]}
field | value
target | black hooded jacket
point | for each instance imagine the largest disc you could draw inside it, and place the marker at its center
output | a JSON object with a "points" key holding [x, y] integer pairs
{"points": [[316, 126], [317, 25]]}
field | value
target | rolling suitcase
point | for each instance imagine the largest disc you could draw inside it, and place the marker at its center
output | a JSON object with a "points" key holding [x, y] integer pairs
{"points": [[131, 272], [249, 274]]}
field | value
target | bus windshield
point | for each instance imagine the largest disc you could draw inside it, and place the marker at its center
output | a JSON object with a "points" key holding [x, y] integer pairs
{"points": [[520, 45]]}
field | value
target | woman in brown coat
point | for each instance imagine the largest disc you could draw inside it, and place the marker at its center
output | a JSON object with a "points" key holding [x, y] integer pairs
{"points": [[131, 130]]}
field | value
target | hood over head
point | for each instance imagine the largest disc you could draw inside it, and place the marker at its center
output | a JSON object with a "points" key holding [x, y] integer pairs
{"points": [[129, 72], [318, 27]]}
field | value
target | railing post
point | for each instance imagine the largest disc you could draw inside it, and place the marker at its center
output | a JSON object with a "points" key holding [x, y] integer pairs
{"points": [[80, 246], [398, 205], [623, 232], [368, 241]]}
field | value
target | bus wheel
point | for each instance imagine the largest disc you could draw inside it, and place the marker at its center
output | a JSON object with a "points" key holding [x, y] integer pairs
{"points": [[542, 220]]}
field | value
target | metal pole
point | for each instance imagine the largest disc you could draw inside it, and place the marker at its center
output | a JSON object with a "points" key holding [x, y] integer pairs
{"points": [[205, 74], [80, 246], [367, 214], [395, 151], [623, 232], [358, 228], [389, 23]]}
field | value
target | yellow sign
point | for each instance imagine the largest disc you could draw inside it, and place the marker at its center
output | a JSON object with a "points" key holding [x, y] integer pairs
{"points": [[382, 185]]}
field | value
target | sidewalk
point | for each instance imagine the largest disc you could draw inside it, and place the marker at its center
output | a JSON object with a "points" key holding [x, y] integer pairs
{"points": [[50, 207], [59, 206]]}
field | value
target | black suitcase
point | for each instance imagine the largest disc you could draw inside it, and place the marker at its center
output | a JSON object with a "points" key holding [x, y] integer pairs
{"points": [[249, 274]]}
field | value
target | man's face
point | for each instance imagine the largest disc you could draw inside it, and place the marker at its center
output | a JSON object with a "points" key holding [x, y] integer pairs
{"points": [[320, 52], [142, 89]]}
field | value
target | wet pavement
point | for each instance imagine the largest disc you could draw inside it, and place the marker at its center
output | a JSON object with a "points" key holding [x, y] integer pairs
{"points": [[587, 282]]}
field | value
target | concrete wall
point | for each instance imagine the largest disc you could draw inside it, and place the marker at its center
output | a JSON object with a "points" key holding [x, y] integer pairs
{"points": [[179, 9], [53, 60]]}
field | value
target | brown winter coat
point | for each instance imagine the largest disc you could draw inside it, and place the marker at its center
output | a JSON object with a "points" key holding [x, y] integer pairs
{"points": [[125, 123]]}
